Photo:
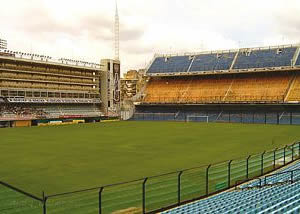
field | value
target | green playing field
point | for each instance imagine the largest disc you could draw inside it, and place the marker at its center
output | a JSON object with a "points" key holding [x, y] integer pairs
{"points": [[66, 158]]}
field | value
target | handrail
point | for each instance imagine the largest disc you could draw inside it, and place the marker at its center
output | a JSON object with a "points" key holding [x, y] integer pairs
{"points": [[21, 191]]}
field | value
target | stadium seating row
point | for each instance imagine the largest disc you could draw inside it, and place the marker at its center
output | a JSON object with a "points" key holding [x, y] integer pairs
{"points": [[241, 88], [268, 199], [242, 59], [50, 111]]}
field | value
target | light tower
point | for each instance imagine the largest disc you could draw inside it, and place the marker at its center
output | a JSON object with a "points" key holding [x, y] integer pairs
{"points": [[117, 41]]}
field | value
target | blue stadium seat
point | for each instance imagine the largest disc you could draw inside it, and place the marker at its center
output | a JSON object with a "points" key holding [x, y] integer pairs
{"points": [[212, 62], [170, 65], [268, 199], [265, 58]]}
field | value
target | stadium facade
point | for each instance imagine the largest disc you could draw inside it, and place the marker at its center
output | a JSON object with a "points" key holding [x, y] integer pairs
{"points": [[259, 85], [37, 89]]}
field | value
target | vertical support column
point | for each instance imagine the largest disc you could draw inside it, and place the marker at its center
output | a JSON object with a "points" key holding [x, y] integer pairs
{"points": [[100, 199], [207, 180], [277, 118], [274, 159], [229, 117], [293, 152], [144, 195], [262, 163], [291, 118], [179, 187], [247, 167], [229, 169]]}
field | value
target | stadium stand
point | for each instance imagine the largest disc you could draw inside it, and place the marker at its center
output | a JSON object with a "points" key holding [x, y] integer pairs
{"points": [[38, 87], [173, 64], [206, 62], [264, 58], [280, 194], [259, 87], [294, 94], [223, 85], [247, 58], [19, 112]]}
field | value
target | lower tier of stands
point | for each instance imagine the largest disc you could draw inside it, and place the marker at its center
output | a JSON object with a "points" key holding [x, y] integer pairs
{"points": [[280, 194], [275, 87], [31, 112]]}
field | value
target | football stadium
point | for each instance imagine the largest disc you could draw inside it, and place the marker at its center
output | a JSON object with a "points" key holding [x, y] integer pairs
{"points": [[199, 132]]}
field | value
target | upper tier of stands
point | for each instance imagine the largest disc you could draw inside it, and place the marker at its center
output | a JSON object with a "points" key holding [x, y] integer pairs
{"points": [[226, 60], [264, 58]]}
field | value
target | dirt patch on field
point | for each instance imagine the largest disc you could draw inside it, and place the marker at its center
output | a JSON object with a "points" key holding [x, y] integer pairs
{"points": [[132, 210]]}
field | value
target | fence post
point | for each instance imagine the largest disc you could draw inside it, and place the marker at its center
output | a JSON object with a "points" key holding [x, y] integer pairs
{"points": [[291, 118], [207, 178], [298, 150], [277, 118], [293, 152], [284, 149], [44, 203], [100, 199], [262, 162], [229, 117], [292, 176], [274, 158], [179, 187], [144, 195], [229, 167], [247, 167], [265, 118]]}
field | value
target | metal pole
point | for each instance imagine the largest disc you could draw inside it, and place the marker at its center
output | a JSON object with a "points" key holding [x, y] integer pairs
{"points": [[262, 162], [179, 186], [292, 176], [260, 183], [277, 118], [207, 178], [274, 159], [284, 154], [298, 150], [229, 167], [247, 167], [293, 152], [291, 118], [44, 203], [265, 118], [144, 195], [100, 200]]}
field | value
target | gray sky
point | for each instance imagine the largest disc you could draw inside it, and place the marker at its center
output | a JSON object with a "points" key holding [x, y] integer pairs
{"points": [[84, 29]]}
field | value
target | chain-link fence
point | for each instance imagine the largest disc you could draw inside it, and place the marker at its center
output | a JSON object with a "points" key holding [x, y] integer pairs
{"points": [[151, 194], [282, 118]]}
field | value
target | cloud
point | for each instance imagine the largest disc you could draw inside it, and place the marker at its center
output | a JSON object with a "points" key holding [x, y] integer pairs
{"points": [[85, 30]]}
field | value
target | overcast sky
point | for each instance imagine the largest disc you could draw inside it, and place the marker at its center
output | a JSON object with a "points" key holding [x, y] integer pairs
{"points": [[84, 29]]}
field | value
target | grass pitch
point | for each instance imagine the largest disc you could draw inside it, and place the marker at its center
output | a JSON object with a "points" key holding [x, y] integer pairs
{"points": [[67, 158]]}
